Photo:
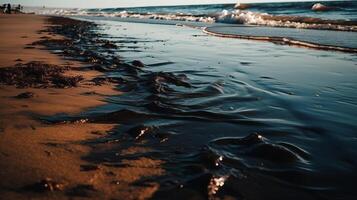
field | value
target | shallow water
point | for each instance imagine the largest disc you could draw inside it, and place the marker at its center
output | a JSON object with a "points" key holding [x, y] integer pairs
{"points": [[229, 117], [321, 37]]}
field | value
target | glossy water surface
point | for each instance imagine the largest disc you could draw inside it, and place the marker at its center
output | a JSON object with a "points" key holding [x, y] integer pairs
{"points": [[229, 117]]}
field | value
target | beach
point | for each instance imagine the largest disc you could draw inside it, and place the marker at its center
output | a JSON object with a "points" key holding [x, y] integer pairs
{"points": [[179, 102], [34, 153]]}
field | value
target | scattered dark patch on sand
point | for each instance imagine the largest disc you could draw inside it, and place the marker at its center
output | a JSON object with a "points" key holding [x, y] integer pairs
{"points": [[90, 93], [89, 167], [38, 75], [29, 47], [45, 185], [82, 190], [98, 132], [25, 95]]}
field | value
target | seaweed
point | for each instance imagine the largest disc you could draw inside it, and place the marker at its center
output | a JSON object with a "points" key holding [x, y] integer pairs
{"points": [[39, 75]]}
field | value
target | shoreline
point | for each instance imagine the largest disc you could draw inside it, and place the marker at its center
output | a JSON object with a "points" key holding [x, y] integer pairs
{"points": [[197, 116], [282, 41], [40, 160]]}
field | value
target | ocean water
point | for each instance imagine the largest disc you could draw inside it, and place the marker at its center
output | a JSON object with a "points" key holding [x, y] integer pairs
{"points": [[342, 10], [229, 117], [273, 22], [272, 14]]}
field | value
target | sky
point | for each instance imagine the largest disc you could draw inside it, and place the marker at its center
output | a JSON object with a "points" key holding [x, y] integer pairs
{"points": [[121, 3]]}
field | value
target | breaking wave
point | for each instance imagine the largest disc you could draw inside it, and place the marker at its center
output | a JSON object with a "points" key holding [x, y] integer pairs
{"points": [[293, 15]]}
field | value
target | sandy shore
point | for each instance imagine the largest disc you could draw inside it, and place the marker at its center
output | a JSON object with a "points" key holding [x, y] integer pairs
{"points": [[33, 153]]}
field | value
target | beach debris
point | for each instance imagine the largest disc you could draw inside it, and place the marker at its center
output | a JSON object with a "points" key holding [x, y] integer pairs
{"points": [[46, 185], [25, 95], [39, 75], [89, 167], [138, 63], [52, 42], [103, 80], [62, 81]]}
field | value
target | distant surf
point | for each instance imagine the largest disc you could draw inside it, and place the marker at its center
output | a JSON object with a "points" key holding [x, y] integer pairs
{"points": [[338, 15], [320, 25]]}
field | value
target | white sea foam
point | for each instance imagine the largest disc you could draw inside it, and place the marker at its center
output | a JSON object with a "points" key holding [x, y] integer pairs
{"points": [[253, 18], [226, 16]]}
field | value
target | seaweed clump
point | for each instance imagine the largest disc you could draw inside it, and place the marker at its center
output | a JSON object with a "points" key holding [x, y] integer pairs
{"points": [[39, 75]]}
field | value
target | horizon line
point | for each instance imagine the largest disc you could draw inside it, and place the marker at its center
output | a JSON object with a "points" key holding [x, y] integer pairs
{"points": [[253, 2]]}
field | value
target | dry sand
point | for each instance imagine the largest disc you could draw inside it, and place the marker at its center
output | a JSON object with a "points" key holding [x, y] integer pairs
{"points": [[31, 151]]}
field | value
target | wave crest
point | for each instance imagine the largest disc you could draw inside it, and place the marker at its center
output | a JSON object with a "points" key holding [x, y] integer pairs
{"points": [[253, 18], [225, 16]]}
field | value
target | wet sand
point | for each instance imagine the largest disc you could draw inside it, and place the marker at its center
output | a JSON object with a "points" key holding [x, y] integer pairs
{"points": [[43, 161]]}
